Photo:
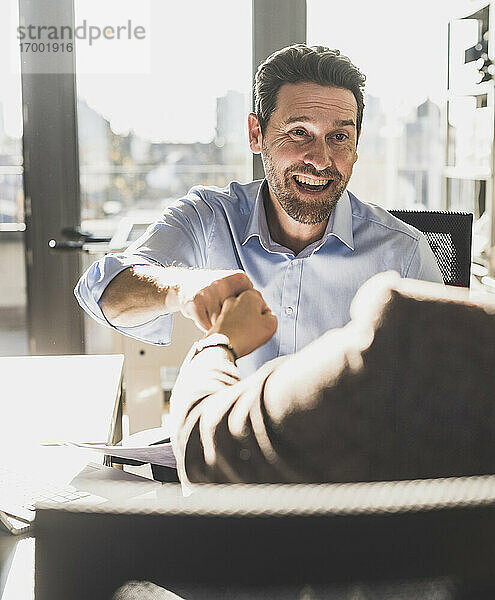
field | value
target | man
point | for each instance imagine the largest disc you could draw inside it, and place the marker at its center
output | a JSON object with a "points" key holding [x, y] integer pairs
{"points": [[299, 236], [403, 391]]}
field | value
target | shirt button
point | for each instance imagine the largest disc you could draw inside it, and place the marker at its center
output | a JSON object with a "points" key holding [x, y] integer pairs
{"points": [[289, 310]]}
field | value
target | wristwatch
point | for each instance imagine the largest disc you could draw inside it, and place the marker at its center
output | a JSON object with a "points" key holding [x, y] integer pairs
{"points": [[215, 339]]}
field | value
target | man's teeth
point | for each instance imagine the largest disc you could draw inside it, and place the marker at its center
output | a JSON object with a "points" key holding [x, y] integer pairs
{"points": [[307, 181]]}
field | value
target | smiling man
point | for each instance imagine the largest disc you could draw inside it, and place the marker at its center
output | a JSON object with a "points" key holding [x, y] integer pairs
{"points": [[299, 236], [308, 150]]}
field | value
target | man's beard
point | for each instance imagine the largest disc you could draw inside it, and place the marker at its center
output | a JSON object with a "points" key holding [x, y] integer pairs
{"points": [[307, 211]]}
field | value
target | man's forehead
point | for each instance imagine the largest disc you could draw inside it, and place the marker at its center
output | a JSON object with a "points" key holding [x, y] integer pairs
{"points": [[308, 100]]}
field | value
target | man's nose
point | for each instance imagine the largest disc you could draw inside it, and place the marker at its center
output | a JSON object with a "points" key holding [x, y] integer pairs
{"points": [[319, 156]]}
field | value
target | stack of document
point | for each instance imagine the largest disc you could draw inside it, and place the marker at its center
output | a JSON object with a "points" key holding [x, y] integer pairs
{"points": [[149, 446]]}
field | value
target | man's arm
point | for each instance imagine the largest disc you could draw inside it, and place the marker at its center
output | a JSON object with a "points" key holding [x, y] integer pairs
{"points": [[389, 396], [164, 271], [144, 292], [209, 385], [269, 427], [423, 263]]}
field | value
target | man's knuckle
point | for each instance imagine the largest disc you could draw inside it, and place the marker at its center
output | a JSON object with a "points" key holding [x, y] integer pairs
{"points": [[199, 300], [228, 302], [254, 296], [223, 289], [246, 281], [240, 278], [206, 294], [245, 295]]}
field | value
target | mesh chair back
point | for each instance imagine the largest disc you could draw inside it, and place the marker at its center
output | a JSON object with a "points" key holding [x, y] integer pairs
{"points": [[449, 235], [221, 541]]}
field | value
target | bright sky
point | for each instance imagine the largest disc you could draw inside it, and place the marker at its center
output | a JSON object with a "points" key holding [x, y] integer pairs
{"points": [[199, 49], [400, 45]]}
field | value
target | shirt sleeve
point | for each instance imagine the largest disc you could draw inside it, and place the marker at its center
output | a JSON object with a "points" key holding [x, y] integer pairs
{"points": [[387, 397], [218, 431], [266, 428], [180, 238], [423, 263]]}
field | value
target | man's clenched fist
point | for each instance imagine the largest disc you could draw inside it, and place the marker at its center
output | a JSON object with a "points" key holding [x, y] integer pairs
{"points": [[201, 299], [247, 321]]}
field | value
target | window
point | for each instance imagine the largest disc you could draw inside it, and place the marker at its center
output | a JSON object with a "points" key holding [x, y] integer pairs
{"points": [[159, 115], [13, 334], [402, 50], [146, 137]]}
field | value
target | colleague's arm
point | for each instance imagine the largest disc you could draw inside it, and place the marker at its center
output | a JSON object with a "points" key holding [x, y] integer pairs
{"points": [[268, 426], [144, 292], [209, 385], [389, 396]]}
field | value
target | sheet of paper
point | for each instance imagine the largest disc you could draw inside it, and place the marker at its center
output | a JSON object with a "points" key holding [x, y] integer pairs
{"points": [[161, 454], [148, 437]]}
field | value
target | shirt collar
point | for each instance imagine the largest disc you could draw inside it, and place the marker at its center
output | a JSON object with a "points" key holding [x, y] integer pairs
{"points": [[339, 224], [257, 224]]}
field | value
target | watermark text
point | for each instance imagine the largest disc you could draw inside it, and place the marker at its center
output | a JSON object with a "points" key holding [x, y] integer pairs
{"points": [[85, 31]]}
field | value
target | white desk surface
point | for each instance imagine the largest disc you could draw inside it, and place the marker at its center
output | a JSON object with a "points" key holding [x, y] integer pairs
{"points": [[50, 399], [59, 465]]}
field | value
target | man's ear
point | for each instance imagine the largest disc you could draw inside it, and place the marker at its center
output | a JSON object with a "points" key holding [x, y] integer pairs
{"points": [[255, 135]]}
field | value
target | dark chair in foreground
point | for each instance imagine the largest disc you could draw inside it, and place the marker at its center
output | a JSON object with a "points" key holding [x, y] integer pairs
{"points": [[449, 235], [430, 539]]}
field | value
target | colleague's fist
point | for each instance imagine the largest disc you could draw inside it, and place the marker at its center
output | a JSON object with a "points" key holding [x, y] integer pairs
{"points": [[201, 299], [247, 321]]}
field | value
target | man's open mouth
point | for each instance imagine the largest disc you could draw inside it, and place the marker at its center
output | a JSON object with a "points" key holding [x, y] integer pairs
{"points": [[312, 185]]}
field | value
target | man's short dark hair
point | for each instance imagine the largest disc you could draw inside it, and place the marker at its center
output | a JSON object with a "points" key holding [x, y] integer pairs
{"points": [[301, 64]]}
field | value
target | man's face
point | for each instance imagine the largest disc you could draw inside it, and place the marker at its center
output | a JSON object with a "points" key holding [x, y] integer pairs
{"points": [[308, 148]]}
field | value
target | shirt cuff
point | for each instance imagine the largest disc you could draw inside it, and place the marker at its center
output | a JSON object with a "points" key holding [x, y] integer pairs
{"points": [[93, 283]]}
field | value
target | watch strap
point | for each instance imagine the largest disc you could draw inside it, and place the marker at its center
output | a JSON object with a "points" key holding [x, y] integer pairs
{"points": [[212, 341]]}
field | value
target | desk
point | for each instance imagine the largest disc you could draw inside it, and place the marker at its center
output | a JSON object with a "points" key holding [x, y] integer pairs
{"points": [[51, 399], [17, 552], [16, 567]]}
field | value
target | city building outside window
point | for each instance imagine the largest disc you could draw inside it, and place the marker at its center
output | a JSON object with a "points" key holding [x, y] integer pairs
{"points": [[146, 138], [402, 50], [13, 329]]}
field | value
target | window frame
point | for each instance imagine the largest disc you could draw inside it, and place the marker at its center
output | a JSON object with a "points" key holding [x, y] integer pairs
{"points": [[51, 168]]}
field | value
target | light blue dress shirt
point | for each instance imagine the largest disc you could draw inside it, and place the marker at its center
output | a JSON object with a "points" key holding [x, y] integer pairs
{"points": [[309, 293]]}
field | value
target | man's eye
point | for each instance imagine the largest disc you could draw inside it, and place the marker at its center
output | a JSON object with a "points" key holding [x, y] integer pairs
{"points": [[298, 132], [340, 137]]}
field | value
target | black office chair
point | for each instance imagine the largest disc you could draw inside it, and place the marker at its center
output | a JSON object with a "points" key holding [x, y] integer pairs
{"points": [[396, 539], [449, 235]]}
